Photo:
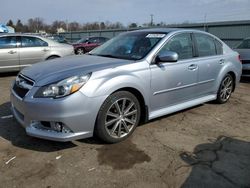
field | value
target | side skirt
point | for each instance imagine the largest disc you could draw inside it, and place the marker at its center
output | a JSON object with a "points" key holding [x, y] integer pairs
{"points": [[181, 106]]}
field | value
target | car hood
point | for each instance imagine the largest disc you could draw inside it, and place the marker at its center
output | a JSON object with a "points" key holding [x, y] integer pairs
{"points": [[55, 70]]}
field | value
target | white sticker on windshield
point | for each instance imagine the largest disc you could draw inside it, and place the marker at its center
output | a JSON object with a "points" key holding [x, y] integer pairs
{"points": [[155, 35]]}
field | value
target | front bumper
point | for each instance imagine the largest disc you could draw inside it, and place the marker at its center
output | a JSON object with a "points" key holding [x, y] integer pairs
{"points": [[77, 112]]}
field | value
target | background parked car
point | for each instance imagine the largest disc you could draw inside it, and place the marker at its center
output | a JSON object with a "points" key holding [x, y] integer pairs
{"points": [[87, 44], [18, 51], [244, 50]]}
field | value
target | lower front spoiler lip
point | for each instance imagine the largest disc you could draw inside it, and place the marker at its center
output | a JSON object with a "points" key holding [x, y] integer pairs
{"points": [[56, 136]]}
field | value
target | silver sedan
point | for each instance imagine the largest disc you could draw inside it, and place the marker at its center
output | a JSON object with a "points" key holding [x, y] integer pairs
{"points": [[19, 50], [134, 77]]}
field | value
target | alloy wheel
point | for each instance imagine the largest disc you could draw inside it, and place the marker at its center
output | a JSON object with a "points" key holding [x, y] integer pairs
{"points": [[80, 51], [226, 88], [121, 118]]}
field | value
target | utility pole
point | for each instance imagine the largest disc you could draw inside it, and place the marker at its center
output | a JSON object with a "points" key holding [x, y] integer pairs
{"points": [[152, 19], [205, 21]]}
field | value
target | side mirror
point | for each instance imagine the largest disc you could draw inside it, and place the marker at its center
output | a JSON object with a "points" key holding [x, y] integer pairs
{"points": [[167, 56]]}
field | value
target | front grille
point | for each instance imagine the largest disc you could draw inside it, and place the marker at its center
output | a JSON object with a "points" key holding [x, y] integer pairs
{"points": [[22, 85], [21, 92], [245, 61], [245, 72]]}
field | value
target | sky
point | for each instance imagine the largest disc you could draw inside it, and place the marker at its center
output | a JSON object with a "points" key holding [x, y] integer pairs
{"points": [[126, 11]]}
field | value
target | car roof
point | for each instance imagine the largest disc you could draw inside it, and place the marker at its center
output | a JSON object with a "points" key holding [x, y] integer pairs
{"points": [[21, 34], [166, 30]]}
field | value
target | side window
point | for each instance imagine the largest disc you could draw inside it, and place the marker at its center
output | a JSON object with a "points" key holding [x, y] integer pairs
{"points": [[181, 44], [93, 40], [32, 42], [219, 48], [8, 42], [205, 45]]}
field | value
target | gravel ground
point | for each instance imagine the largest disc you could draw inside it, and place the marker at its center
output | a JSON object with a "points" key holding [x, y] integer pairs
{"points": [[205, 146]]}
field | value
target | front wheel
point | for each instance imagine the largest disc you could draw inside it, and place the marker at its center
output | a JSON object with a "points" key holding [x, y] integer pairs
{"points": [[118, 117], [80, 51], [225, 90]]}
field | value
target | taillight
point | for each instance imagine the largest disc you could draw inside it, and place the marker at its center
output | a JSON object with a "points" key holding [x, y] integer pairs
{"points": [[239, 58]]}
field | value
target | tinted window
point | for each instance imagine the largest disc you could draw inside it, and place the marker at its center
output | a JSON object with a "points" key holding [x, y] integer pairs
{"points": [[181, 44], [205, 45], [33, 42], [245, 44], [94, 40], [8, 42], [219, 48]]}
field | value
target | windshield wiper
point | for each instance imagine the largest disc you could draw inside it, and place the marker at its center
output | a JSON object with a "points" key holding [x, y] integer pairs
{"points": [[106, 55]]}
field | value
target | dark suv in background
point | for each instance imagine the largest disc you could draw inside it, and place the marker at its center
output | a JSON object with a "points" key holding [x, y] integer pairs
{"points": [[87, 44], [244, 50]]}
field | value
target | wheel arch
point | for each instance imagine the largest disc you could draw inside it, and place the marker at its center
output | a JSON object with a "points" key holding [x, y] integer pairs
{"points": [[139, 96], [234, 78], [53, 56]]}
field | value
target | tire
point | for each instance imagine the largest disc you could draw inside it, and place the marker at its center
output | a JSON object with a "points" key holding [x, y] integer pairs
{"points": [[80, 51], [118, 117], [225, 89]]}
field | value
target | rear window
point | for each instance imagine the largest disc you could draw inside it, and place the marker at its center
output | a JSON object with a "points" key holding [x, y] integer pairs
{"points": [[205, 45], [219, 47], [33, 42]]}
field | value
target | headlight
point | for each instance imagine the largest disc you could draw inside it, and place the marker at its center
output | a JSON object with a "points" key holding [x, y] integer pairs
{"points": [[63, 88]]}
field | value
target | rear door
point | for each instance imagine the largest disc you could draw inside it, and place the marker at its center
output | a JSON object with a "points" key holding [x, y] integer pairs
{"points": [[33, 50], [9, 54], [210, 61]]}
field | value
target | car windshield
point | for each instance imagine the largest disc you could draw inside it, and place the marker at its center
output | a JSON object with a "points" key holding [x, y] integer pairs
{"points": [[245, 44], [131, 46]]}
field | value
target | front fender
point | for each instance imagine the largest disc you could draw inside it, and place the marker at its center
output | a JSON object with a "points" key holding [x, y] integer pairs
{"points": [[104, 83]]}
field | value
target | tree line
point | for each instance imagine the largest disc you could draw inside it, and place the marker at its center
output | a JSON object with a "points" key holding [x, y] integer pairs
{"points": [[35, 25]]}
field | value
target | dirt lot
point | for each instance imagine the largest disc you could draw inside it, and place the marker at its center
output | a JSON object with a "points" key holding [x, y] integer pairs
{"points": [[206, 146]]}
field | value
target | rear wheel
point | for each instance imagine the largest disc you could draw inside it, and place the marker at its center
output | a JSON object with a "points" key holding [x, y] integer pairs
{"points": [[226, 89], [118, 117], [80, 51]]}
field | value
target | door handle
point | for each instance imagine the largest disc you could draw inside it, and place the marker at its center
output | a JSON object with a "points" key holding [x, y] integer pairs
{"points": [[222, 61], [45, 50], [192, 67], [12, 52]]}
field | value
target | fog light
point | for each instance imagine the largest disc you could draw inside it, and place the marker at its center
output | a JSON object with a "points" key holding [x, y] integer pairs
{"points": [[56, 126], [60, 127]]}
